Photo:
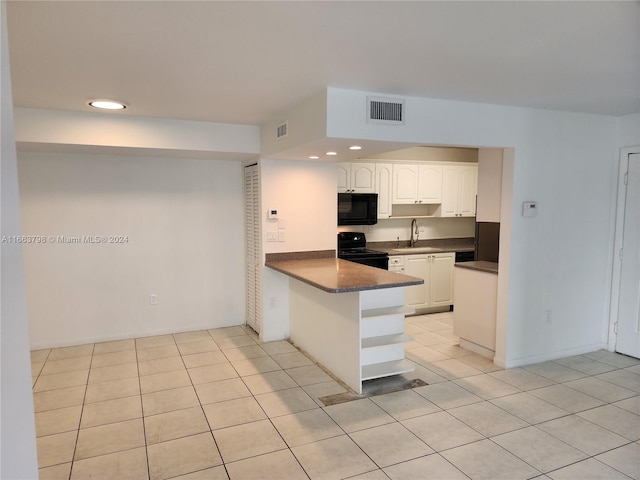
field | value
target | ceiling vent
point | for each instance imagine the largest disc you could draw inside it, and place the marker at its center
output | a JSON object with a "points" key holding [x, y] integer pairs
{"points": [[282, 130], [389, 111]]}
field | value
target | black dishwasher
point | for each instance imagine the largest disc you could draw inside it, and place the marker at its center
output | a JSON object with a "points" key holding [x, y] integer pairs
{"points": [[465, 256]]}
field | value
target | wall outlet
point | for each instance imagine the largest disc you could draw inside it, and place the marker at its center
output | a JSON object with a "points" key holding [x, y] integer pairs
{"points": [[153, 299]]}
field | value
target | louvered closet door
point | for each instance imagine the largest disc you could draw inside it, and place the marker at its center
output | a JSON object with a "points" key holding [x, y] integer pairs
{"points": [[252, 246]]}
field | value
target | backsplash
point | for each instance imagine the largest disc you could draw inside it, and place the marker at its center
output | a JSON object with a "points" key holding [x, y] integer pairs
{"points": [[387, 230]]}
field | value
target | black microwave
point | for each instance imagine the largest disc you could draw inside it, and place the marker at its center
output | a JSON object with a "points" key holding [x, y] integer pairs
{"points": [[357, 208]]}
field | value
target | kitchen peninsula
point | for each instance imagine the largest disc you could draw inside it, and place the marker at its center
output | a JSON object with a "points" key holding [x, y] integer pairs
{"points": [[348, 317]]}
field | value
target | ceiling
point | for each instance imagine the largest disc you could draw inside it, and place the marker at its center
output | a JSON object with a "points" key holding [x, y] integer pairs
{"points": [[244, 62]]}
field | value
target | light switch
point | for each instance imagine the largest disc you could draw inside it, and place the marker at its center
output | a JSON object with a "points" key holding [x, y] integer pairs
{"points": [[281, 235], [272, 236], [529, 209]]}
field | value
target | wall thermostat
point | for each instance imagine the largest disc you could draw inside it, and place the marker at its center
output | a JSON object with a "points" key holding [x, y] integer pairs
{"points": [[272, 214], [529, 209]]}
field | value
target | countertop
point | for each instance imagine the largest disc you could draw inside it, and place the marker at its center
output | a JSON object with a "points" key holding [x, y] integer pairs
{"points": [[444, 245], [335, 275], [489, 267]]}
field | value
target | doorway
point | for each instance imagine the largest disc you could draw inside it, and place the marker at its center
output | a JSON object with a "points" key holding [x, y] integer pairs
{"points": [[626, 288]]}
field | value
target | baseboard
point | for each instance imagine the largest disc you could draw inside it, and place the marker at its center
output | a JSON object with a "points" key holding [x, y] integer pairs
{"points": [[125, 336], [545, 357]]}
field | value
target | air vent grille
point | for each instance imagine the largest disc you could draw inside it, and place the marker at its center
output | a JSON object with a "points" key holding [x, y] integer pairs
{"points": [[385, 110], [282, 130]]}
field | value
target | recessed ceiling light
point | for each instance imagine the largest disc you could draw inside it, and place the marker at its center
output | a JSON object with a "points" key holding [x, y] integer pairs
{"points": [[106, 104], [331, 153], [355, 147], [314, 157]]}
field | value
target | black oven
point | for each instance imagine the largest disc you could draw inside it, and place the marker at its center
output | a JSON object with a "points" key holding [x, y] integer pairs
{"points": [[352, 246]]}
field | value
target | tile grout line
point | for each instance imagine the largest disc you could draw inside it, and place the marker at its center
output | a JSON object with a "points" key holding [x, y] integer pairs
{"points": [[215, 442], [84, 398], [144, 424]]}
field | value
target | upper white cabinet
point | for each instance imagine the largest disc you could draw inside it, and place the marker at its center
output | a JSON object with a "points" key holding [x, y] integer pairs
{"points": [[459, 189], [416, 184], [357, 177], [384, 177]]}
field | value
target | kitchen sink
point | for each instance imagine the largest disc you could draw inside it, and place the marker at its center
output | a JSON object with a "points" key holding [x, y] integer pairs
{"points": [[418, 250]]}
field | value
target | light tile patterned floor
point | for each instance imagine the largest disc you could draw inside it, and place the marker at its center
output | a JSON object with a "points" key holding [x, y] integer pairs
{"points": [[219, 404]]}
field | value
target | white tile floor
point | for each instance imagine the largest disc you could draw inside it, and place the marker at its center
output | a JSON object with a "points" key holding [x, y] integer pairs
{"points": [[218, 404]]}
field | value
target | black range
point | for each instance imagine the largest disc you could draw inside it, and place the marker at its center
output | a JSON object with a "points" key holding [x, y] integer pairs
{"points": [[352, 246]]}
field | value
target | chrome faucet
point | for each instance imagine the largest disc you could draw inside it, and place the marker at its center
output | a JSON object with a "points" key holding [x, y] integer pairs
{"points": [[414, 230]]}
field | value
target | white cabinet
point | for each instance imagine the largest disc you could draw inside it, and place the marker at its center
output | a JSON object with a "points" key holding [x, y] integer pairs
{"points": [[441, 274], [417, 183], [384, 172], [357, 177], [382, 336], [474, 318], [459, 189], [437, 272], [357, 336]]}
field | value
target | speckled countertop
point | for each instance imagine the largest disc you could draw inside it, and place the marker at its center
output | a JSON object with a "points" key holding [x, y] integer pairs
{"points": [[335, 275], [489, 267], [444, 245]]}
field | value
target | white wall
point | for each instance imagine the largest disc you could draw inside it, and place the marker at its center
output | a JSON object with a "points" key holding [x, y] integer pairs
{"points": [[111, 132], [183, 223], [429, 154], [629, 130], [304, 193], [18, 458], [566, 162]]}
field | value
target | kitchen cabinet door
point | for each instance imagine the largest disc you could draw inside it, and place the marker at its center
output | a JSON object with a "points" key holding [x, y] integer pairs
{"points": [[468, 191], [417, 296], [430, 184], [344, 177], [384, 172], [405, 184], [356, 177], [363, 177], [441, 276], [459, 189]]}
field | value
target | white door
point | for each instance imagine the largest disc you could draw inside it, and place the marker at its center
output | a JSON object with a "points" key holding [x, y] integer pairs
{"points": [[628, 338], [363, 177], [450, 189], [468, 192], [383, 189], [252, 247], [442, 279], [417, 296], [430, 184], [405, 184], [344, 177]]}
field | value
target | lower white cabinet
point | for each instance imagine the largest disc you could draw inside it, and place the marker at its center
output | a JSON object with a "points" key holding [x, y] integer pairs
{"points": [[357, 335], [437, 272], [382, 336]]}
